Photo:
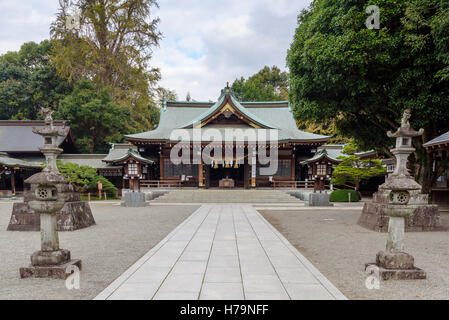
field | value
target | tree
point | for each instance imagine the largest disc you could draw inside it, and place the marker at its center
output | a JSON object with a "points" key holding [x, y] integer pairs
{"points": [[28, 81], [164, 94], [350, 148], [112, 46], [94, 118], [353, 170], [269, 84], [79, 176], [188, 97], [363, 79], [327, 128], [85, 178]]}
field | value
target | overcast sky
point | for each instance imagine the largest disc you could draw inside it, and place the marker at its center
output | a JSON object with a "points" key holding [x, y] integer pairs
{"points": [[206, 42]]}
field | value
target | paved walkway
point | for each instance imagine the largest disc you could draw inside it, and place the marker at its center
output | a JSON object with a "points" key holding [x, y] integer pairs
{"points": [[222, 252]]}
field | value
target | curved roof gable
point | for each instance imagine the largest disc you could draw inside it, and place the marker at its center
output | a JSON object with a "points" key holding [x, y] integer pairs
{"points": [[121, 154], [331, 155], [227, 101]]}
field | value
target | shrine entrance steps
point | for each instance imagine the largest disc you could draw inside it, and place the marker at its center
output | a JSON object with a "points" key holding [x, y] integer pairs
{"points": [[227, 196]]}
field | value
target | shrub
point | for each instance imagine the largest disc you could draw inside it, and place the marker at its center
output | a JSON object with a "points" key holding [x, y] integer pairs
{"points": [[342, 196]]}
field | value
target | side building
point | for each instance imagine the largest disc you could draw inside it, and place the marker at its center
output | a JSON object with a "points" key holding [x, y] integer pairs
{"points": [[440, 189], [20, 158]]}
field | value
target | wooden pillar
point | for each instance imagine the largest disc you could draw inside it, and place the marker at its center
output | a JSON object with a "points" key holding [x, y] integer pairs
{"points": [[293, 168], [200, 175], [161, 167], [246, 175], [253, 169], [139, 172], [13, 182]]}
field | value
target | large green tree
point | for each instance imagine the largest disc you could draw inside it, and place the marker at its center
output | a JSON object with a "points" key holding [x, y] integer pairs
{"points": [[112, 45], [269, 84], [94, 117], [28, 81], [363, 79]]}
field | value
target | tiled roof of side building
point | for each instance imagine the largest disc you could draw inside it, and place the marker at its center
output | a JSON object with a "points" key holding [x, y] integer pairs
{"points": [[443, 139], [17, 135], [8, 161], [331, 154], [91, 160], [120, 154]]}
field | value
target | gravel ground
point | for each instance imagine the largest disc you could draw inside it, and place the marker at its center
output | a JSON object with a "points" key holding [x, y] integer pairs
{"points": [[339, 248], [107, 249]]}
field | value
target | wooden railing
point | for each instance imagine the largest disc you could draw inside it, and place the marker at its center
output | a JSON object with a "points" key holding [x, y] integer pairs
{"points": [[176, 184], [292, 184]]}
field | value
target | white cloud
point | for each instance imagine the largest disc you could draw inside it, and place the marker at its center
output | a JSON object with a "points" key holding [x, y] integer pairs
{"points": [[206, 42]]}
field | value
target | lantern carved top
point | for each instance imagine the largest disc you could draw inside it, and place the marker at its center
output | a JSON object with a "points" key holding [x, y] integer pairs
{"points": [[405, 130], [50, 175], [400, 179]]}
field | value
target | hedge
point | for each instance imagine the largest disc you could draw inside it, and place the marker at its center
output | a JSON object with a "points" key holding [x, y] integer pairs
{"points": [[342, 196]]}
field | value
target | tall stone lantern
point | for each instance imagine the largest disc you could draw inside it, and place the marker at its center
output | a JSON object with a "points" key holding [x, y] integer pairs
{"points": [[50, 261], [401, 191]]}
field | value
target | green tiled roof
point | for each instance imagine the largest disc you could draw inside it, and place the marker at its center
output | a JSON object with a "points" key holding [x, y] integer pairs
{"points": [[331, 154], [277, 115], [117, 155], [91, 160], [217, 105], [8, 161]]}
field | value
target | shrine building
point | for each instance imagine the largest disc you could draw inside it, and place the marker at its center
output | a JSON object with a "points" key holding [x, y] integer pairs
{"points": [[236, 167]]}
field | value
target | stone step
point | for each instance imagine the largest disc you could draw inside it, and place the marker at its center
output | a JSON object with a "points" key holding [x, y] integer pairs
{"points": [[227, 196]]}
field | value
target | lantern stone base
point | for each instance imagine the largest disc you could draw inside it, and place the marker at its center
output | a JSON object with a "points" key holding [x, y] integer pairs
{"points": [[397, 266], [425, 217], [50, 264], [61, 271], [46, 258], [134, 200], [74, 215], [319, 200]]}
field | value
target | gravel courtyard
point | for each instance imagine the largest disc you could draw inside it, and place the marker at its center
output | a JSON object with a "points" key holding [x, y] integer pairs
{"points": [[107, 249], [339, 248]]}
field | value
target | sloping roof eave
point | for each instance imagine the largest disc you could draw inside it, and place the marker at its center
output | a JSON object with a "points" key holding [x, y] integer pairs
{"points": [[443, 139], [130, 154]]}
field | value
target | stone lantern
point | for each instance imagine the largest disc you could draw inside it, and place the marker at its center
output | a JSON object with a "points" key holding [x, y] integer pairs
{"points": [[402, 194], [49, 185]]}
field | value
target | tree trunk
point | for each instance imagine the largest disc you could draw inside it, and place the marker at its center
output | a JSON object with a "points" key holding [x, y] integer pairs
{"points": [[425, 175]]}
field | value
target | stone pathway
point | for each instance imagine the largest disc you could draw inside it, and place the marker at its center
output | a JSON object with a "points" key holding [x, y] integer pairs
{"points": [[222, 252]]}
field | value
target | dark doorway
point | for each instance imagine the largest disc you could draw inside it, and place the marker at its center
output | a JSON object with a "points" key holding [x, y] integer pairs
{"points": [[236, 174]]}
